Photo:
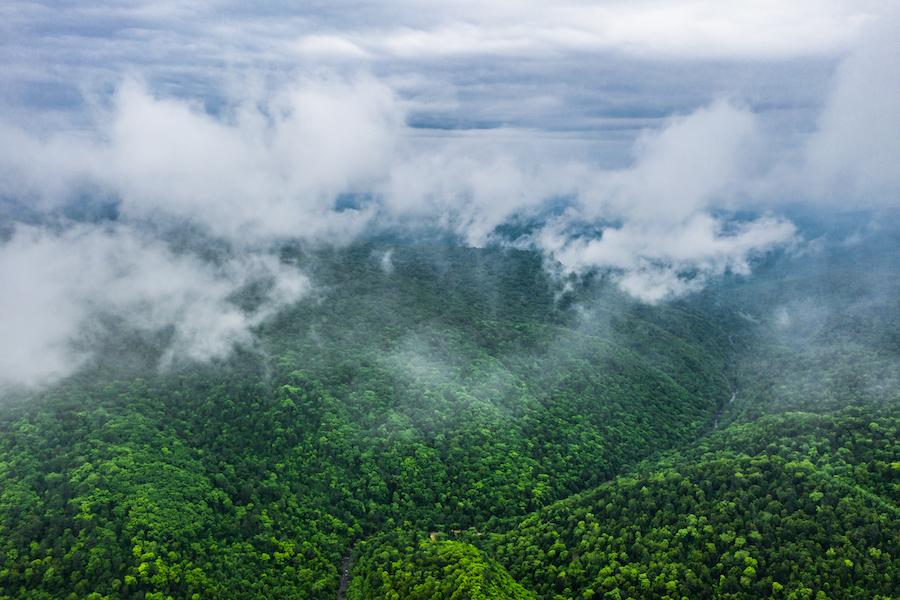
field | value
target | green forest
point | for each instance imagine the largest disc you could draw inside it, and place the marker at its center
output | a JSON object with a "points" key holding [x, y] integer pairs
{"points": [[471, 426]]}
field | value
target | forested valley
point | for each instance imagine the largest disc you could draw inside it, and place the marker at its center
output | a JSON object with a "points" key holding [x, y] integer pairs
{"points": [[447, 422]]}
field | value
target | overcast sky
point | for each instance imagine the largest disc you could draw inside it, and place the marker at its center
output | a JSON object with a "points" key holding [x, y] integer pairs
{"points": [[578, 67], [633, 131]]}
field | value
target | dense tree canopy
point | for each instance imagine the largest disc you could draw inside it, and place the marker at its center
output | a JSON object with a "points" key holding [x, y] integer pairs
{"points": [[462, 428]]}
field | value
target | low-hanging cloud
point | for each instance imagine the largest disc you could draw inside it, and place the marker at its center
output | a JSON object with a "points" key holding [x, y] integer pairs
{"points": [[657, 230], [653, 260], [58, 287], [470, 187], [273, 170], [268, 168], [262, 171], [856, 149]]}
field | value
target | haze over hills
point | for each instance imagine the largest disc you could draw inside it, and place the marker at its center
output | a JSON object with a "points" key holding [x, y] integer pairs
{"points": [[426, 300], [448, 398]]}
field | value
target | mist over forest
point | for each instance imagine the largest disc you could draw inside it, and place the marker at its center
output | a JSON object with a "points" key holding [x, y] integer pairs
{"points": [[417, 300]]}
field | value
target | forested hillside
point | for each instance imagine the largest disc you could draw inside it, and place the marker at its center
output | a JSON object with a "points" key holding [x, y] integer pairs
{"points": [[459, 423], [791, 506]]}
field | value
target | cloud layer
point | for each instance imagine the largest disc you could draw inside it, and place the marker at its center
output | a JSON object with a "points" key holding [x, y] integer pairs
{"points": [[855, 151], [59, 287], [270, 167], [570, 65], [652, 140], [277, 168]]}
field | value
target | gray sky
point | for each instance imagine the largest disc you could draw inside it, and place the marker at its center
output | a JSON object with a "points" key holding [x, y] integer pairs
{"points": [[602, 69]]}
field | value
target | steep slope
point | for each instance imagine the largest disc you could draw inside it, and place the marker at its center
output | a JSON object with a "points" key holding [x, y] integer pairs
{"points": [[793, 506], [790, 506]]}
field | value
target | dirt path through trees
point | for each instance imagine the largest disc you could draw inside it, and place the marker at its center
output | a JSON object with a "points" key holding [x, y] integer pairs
{"points": [[345, 575]]}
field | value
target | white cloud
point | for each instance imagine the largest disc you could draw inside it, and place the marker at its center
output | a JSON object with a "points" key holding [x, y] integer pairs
{"points": [[470, 189], [264, 170], [254, 175], [657, 260], [691, 162], [57, 285], [688, 29], [271, 168], [856, 150], [658, 230], [263, 173], [386, 262]]}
